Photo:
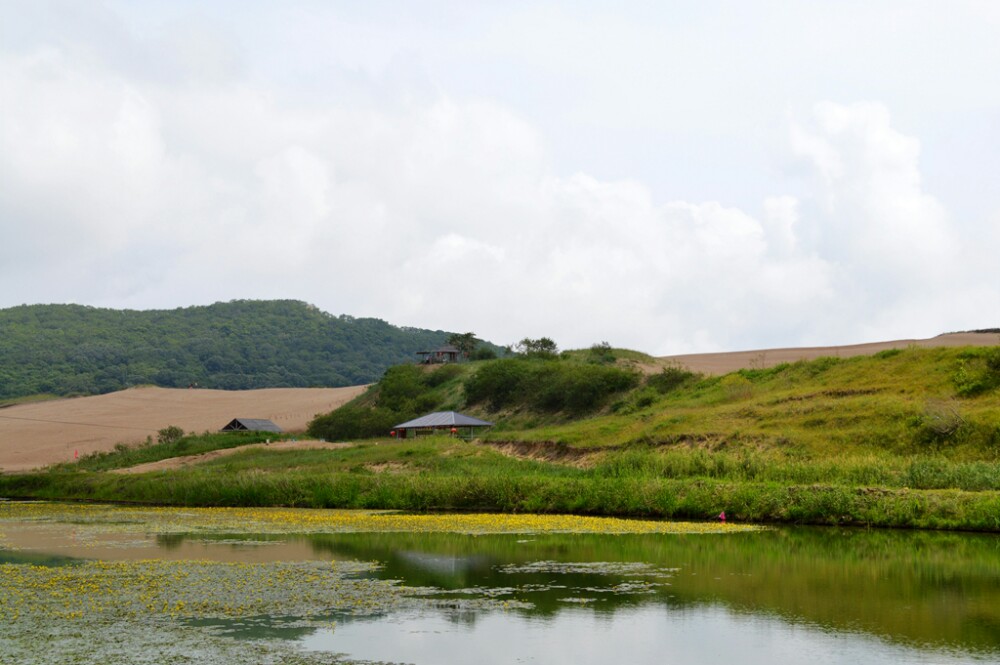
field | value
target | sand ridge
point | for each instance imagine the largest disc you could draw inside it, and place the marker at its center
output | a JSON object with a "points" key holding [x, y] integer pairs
{"points": [[42, 433], [723, 363]]}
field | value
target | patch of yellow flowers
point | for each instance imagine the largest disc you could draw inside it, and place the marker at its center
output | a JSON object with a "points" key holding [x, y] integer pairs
{"points": [[299, 520]]}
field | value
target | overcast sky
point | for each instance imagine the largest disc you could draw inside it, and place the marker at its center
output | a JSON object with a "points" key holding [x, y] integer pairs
{"points": [[672, 177]]}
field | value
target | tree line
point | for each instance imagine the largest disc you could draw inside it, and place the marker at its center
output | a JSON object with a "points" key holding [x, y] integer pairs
{"points": [[243, 344]]}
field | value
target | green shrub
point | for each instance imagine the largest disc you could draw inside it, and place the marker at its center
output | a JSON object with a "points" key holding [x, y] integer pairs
{"points": [[820, 365], [601, 354], [543, 347], [483, 353], [170, 434], [978, 372], [497, 383], [400, 385], [356, 422], [670, 378], [443, 374], [636, 401], [736, 387], [547, 385], [644, 398]]}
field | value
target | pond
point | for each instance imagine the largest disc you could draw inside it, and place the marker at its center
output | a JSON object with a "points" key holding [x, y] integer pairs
{"points": [[106, 584]]}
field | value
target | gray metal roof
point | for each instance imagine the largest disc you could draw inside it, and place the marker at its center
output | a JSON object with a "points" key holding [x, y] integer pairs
{"points": [[444, 419], [251, 424]]}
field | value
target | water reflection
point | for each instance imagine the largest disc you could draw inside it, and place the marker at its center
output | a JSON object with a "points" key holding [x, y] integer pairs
{"points": [[648, 634], [786, 595], [922, 589]]}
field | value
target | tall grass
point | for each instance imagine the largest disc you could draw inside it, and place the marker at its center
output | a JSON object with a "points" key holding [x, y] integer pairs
{"points": [[645, 497], [449, 474], [126, 455]]}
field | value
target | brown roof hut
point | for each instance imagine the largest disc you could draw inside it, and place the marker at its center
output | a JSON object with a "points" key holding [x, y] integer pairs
{"points": [[442, 354]]}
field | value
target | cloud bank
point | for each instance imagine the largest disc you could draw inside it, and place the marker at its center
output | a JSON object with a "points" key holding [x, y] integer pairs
{"points": [[158, 189]]}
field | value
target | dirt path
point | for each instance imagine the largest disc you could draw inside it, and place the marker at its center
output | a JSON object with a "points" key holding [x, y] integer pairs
{"points": [[42, 433], [190, 460]]}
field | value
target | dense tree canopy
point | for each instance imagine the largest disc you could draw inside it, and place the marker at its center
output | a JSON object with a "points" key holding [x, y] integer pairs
{"points": [[72, 349], [542, 347], [464, 342]]}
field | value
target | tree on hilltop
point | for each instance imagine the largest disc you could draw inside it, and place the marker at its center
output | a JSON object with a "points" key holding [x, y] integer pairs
{"points": [[464, 342], [543, 346]]}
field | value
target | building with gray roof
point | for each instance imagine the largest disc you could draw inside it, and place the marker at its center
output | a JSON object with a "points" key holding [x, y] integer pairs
{"points": [[251, 425], [448, 421]]}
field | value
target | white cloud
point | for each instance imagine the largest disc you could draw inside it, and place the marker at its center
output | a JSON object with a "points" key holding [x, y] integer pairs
{"points": [[443, 211], [903, 263], [875, 212]]}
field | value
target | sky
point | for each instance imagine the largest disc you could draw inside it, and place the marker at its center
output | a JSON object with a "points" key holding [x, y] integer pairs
{"points": [[673, 177]]}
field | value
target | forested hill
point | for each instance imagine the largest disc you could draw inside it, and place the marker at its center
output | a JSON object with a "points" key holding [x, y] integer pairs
{"points": [[72, 349]]}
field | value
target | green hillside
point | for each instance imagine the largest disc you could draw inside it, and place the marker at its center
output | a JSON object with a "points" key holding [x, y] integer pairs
{"points": [[905, 438], [72, 349], [942, 401]]}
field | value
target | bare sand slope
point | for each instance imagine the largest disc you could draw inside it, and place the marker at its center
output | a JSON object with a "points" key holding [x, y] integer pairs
{"points": [[38, 434], [722, 363]]}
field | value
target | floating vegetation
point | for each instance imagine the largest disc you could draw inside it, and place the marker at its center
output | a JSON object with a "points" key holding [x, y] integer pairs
{"points": [[70, 609], [578, 600], [141, 589], [301, 520], [626, 588], [154, 611], [622, 568]]}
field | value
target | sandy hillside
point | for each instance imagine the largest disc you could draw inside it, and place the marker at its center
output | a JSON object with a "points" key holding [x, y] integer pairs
{"points": [[33, 435], [722, 363]]}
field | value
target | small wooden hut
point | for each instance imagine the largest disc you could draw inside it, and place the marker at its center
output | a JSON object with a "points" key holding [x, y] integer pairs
{"points": [[442, 354]]}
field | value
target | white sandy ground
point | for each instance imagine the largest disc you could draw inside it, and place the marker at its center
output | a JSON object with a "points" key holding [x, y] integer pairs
{"points": [[43, 433], [37, 434]]}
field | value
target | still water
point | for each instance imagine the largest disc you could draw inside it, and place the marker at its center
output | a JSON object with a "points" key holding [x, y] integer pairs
{"points": [[788, 595]]}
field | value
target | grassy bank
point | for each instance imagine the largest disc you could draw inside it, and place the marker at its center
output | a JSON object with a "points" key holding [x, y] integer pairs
{"points": [[448, 474], [124, 455], [901, 439]]}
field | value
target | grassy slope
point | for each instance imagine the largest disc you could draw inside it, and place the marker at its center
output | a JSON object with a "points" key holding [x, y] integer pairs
{"points": [[883, 440], [821, 407]]}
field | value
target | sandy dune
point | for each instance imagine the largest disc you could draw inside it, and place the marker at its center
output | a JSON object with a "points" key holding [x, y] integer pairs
{"points": [[33, 435], [723, 363]]}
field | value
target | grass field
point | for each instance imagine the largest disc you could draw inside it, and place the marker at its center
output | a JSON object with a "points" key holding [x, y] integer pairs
{"points": [[903, 438]]}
